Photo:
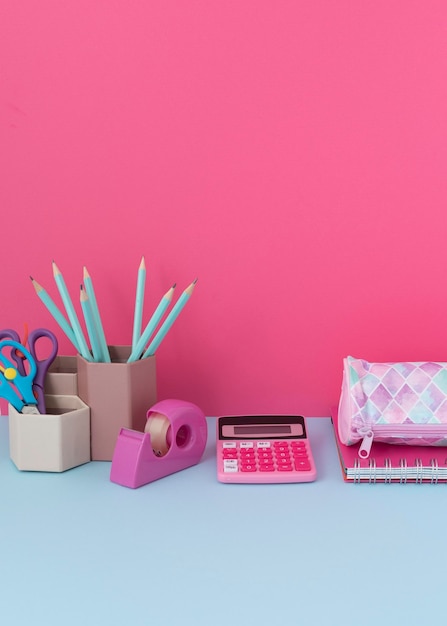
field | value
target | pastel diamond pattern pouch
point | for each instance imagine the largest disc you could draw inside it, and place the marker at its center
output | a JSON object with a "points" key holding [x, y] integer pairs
{"points": [[403, 403]]}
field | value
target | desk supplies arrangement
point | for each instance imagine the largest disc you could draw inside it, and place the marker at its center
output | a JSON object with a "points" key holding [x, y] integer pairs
{"points": [[389, 463], [263, 449], [117, 383], [174, 439]]}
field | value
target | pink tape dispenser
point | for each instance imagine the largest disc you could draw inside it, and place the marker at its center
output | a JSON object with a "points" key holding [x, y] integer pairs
{"points": [[174, 438]]}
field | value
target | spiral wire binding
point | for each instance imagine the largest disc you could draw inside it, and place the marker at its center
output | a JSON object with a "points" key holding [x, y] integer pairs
{"points": [[388, 467], [357, 471], [419, 476], [388, 476], [372, 471], [434, 471], [403, 471]]}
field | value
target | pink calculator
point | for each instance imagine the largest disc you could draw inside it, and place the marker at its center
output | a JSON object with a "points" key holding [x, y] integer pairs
{"points": [[263, 449]]}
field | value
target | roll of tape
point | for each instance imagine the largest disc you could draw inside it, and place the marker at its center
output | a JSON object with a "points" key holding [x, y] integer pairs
{"points": [[159, 428], [176, 431]]}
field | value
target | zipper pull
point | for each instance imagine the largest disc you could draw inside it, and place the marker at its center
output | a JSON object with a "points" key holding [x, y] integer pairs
{"points": [[367, 441]]}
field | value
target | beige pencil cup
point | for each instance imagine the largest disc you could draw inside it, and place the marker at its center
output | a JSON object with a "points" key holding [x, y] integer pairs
{"points": [[52, 442], [62, 377], [119, 394]]}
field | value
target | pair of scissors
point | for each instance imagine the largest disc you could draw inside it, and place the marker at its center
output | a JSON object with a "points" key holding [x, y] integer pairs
{"points": [[42, 365], [15, 387]]}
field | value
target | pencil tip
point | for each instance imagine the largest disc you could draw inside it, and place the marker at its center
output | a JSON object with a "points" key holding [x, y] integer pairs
{"points": [[36, 285], [86, 274], [194, 281]]}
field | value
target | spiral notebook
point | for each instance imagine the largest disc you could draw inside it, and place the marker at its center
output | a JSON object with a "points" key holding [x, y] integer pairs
{"points": [[389, 463]]}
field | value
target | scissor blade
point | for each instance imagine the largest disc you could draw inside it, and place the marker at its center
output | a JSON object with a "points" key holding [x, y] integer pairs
{"points": [[29, 409]]}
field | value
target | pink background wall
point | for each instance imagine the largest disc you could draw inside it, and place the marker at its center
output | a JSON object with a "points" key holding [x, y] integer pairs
{"points": [[292, 155]]}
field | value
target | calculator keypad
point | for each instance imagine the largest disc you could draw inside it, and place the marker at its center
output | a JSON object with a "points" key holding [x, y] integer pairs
{"points": [[271, 461]]}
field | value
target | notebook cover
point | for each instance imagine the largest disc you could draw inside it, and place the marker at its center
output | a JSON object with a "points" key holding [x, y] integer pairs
{"points": [[391, 463]]}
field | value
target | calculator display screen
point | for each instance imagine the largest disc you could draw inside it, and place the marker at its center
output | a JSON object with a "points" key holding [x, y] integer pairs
{"points": [[262, 427], [270, 429]]}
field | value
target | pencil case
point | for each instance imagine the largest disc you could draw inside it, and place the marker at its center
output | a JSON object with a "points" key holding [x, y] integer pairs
{"points": [[398, 403]]}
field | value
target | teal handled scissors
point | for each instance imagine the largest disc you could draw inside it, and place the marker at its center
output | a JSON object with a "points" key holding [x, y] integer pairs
{"points": [[17, 388], [41, 336]]}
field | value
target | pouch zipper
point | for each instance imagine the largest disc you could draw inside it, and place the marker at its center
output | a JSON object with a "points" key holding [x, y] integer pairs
{"points": [[394, 430]]}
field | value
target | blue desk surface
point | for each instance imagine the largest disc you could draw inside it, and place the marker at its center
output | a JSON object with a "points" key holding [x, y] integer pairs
{"points": [[187, 550]]}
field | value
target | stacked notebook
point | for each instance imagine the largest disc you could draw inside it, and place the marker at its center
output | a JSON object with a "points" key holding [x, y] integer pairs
{"points": [[389, 463]]}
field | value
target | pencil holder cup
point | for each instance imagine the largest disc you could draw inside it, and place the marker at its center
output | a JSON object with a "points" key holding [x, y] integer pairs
{"points": [[118, 394], [62, 377], [52, 442]]}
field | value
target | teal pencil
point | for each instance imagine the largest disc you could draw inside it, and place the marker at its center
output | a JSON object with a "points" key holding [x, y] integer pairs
{"points": [[170, 320], [71, 313], [139, 300], [152, 325], [90, 325], [88, 284], [57, 315]]}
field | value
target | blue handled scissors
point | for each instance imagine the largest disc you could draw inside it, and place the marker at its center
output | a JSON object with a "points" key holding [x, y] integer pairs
{"points": [[42, 365], [15, 387]]}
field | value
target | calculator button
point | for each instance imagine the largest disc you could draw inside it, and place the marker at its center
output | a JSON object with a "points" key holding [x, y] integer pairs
{"points": [[299, 449], [246, 444], [229, 444], [280, 447], [285, 468], [263, 444], [302, 466], [229, 454], [265, 455], [281, 462], [300, 455], [230, 468], [248, 467], [266, 467]]}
